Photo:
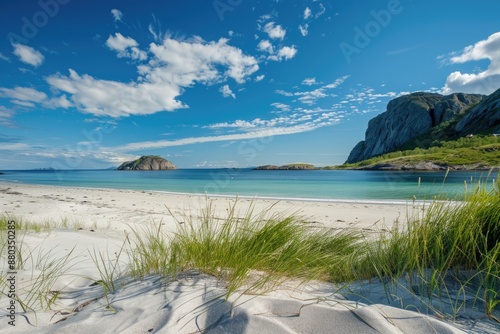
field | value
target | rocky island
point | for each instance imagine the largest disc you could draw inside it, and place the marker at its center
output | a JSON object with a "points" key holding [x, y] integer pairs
{"points": [[298, 166], [148, 162]]}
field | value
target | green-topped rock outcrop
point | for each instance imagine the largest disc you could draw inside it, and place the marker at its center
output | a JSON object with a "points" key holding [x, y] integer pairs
{"points": [[148, 162]]}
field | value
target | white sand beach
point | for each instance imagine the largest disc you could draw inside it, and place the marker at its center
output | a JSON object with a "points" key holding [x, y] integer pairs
{"points": [[96, 221]]}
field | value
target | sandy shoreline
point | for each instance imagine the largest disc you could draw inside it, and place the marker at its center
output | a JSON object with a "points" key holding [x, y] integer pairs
{"points": [[98, 219], [114, 208]]}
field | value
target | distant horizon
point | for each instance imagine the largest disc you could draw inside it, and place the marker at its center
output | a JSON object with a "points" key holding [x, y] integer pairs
{"points": [[224, 84], [48, 169]]}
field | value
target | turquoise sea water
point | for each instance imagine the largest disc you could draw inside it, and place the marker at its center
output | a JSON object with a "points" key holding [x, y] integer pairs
{"points": [[306, 184]]}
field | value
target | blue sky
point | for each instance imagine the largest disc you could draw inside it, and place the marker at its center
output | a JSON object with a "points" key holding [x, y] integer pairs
{"points": [[225, 83]]}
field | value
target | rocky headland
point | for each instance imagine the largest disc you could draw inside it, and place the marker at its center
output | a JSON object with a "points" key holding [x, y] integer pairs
{"points": [[427, 120], [406, 118]]}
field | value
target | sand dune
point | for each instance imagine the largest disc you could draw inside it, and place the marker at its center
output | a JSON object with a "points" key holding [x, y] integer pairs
{"points": [[195, 302]]}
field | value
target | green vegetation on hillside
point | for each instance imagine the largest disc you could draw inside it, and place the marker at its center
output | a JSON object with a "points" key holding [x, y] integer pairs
{"points": [[145, 159], [478, 150]]}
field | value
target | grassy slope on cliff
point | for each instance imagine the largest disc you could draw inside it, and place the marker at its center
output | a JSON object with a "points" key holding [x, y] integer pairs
{"points": [[483, 150]]}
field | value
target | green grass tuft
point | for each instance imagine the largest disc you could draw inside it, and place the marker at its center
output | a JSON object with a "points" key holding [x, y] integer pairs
{"points": [[255, 248], [449, 239]]}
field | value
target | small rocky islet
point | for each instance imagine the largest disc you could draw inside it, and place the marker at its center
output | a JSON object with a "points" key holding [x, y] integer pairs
{"points": [[148, 162]]}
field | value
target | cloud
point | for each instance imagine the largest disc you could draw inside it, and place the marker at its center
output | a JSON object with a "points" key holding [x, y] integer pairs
{"points": [[259, 78], [28, 55], [117, 15], [173, 66], [310, 97], [299, 118], [186, 62], [6, 116], [307, 13], [120, 43], [281, 106], [297, 122], [227, 92], [284, 93], [304, 29], [274, 32], [287, 52], [322, 11], [309, 81], [24, 94], [116, 99], [14, 147], [125, 47], [265, 45], [264, 18], [267, 132], [65, 158], [484, 82], [3, 57], [404, 50], [30, 97], [155, 30]]}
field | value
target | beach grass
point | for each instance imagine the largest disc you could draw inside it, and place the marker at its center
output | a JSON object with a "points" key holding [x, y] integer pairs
{"points": [[448, 250], [257, 248], [451, 242]]}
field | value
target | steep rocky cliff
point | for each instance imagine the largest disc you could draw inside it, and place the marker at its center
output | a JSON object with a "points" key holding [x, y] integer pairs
{"points": [[149, 162], [408, 117], [483, 117]]}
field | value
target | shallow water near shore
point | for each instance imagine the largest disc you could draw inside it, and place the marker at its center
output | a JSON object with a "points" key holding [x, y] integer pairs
{"points": [[301, 184]]}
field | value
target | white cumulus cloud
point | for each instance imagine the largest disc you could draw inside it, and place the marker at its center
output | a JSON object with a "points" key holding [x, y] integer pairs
{"points": [[117, 14], [28, 55], [274, 31], [227, 92], [186, 62], [307, 13], [116, 99], [126, 47], [260, 77], [265, 45], [287, 52], [484, 82], [173, 66]]}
